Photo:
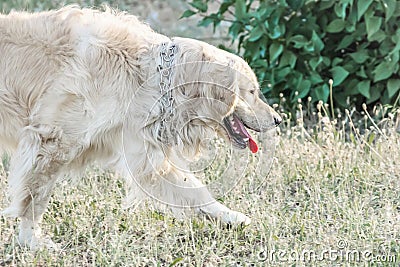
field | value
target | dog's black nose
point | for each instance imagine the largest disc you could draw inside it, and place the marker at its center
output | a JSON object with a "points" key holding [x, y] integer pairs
{"points": [[277, 120]]}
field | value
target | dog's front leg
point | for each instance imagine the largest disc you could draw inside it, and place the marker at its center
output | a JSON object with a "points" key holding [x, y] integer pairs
{"points": [[202, 201], [219, 211], [181, 190]]}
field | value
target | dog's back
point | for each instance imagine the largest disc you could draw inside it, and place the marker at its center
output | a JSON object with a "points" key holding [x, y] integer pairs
{"points": [[41, 51]]}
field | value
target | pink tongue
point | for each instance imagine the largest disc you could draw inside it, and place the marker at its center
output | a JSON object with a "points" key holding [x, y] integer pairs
{"points": [[253, 145]]}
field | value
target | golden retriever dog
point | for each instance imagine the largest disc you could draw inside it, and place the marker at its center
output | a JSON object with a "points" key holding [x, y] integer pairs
{"points": [[81, 86]]}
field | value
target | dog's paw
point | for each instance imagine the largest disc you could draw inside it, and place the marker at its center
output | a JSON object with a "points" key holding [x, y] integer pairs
{"points": [[225, 215], [235, 219]]}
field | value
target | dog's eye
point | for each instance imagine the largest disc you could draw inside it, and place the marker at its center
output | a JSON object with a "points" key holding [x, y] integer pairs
{"points": [[252, 91]]}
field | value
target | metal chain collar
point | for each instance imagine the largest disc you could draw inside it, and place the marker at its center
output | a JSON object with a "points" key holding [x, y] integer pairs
{"points": [[165, 68]]}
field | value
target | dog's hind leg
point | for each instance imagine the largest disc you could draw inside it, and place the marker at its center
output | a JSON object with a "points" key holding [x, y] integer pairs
{"points": [[35, 205], [34, 170]]}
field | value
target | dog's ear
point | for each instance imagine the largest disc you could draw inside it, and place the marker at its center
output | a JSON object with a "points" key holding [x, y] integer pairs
{"points": [[202, 71]]}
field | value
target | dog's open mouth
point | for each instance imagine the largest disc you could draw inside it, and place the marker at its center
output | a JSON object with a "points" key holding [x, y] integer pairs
{"points": [[238, 134]]}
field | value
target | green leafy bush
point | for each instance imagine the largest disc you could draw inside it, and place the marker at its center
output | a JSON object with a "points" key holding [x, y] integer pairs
{"points": [[298, 45]]}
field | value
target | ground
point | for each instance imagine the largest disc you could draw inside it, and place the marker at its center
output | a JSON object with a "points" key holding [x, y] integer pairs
{"points": [[325, 201]]}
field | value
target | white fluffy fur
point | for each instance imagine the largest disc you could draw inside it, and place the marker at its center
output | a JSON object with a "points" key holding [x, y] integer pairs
{"points": [[79, 86]]}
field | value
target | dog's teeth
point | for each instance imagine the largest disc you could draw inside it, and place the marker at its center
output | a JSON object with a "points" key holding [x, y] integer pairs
{"points": [[246, 139]]}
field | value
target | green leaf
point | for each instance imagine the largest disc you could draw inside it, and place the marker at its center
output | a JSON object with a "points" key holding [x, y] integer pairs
{"points": [[326, 4], [309, 47], [260, 63], [303, 88], [281, 74], [200, 5], [205, 22], [276, 15], [256, 33], [235, 29], [390, 7], [315, 78], [336, 61], [274, 51], [298, 40], [288, 58], [224, 6], [340, 9], [393, 86], [339, 74], [383, 71], [351, 67], [341, 99], [346, 41], [396, 40], [363, 88], [326, 61], [373, 24], [362, 6], [314, 62], [322, 93], [376, 93], [317, 42], [187, 13], [240, 10], [361, 73], [361, 30], [253, 50], [350, 27], [352, 16], [276, 31], [299, 85], [295, 4], [265, 10], [335, 26], [351, 87], [379, 36], [360, 56]]}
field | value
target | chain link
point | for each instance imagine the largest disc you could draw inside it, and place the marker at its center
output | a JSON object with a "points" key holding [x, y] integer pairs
{"points": [[167, 57]]}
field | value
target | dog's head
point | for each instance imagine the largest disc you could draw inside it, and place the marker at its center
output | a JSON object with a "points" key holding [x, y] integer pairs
{"points": [[218, 90]]}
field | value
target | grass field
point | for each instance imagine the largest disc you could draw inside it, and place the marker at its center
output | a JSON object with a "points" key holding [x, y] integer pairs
{"points": [[327, 195], [331, 198]]}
